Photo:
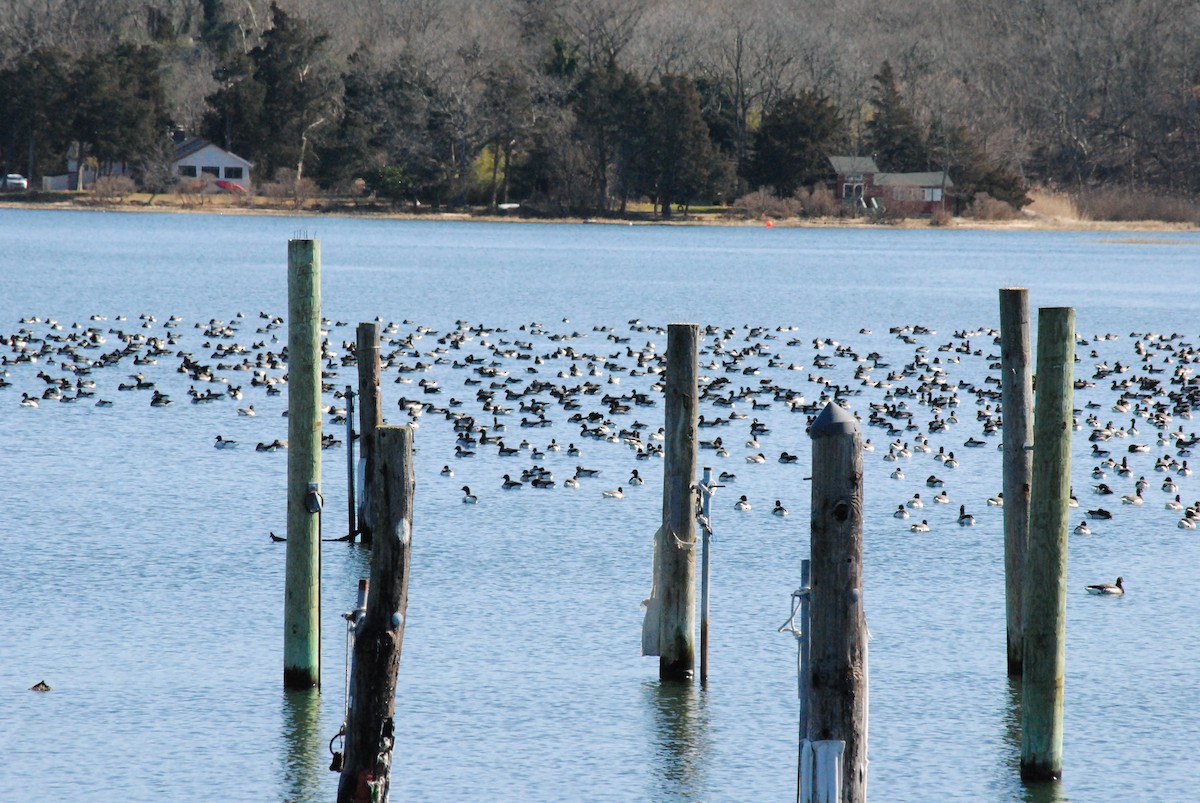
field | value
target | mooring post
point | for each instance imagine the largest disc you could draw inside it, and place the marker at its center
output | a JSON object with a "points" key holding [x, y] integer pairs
{"points": [[677, 545], [1016, 398], [837, 644], [370, 417], [1045, 607], [352, 528], [802, 659], [370, 728], [302, 593], [706, 492]]}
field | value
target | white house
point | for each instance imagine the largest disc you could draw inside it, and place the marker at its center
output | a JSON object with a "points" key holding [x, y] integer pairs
{"points": [[197, 158]]}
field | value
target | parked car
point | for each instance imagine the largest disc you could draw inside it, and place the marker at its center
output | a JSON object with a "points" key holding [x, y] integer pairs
{"points": [[15, 181]]}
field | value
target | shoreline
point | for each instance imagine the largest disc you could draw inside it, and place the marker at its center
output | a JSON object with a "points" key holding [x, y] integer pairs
{"points": [[1026, 220]]}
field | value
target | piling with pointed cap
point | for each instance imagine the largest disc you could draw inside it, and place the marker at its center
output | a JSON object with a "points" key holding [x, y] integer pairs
{"points": [[370, 728], [677, 544], [1016, 396], [1045, 605], [302, 591], [837, 646], [370, 417]]}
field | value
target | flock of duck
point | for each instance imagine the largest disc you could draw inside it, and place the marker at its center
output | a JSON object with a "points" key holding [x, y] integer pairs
{"points": [[494, 390]]}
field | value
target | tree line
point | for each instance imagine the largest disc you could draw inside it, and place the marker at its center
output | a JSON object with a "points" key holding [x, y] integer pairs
{"points": [[589, 105]]}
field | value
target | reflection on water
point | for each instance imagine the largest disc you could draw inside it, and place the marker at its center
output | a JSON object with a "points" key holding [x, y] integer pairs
{"points": [[680, 739], [304, 767], [1031, 792]]}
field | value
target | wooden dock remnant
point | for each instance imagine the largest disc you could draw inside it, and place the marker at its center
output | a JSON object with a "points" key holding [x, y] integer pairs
{"points": [[677, 539], [1016, 398], [1045, 605], [379, 636], [370, 417], [836, 706], [302, 593]]}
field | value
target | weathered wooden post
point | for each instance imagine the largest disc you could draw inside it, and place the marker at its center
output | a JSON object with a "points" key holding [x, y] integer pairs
{"points": [[837, 644], [706, 492], [1016, 397], [302, 594], [366, 773], [351, 525], [370, 417], [1045, 607], [677, 544]]}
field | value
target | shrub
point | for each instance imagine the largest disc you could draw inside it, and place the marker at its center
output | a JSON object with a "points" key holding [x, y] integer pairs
{"points": [[113, 189], [286, 187], [941, 218], [985, 207], [1129, 204], [765, 204], [818, 202]]}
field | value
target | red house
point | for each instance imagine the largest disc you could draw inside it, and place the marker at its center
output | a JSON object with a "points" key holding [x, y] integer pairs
{"points": [[860, 184]]}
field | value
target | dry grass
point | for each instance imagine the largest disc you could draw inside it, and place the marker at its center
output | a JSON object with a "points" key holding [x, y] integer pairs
{"points": [[1053, 205]]}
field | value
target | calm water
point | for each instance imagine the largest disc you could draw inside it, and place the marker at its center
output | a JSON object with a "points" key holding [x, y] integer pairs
{"points": [[139, 581]]}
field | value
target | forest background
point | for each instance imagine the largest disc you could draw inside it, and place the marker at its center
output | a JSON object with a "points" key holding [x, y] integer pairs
{"points": [[597, 106]]}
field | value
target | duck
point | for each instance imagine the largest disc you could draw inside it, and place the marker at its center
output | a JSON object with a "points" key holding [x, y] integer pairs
{"points": [[996, 501], [950, 461], [920, 527], [468, 497], [224, 443], [756, 458], [580, 471], [942, 498], [510, 484], [1099, 513], [915, 501], [1175, 504], [1108, 589], [1169, 485], [897, 473], [965, 519], [1187, 523], [784, 457], [28, 401], [461, 452], [901, 512], [974, 442], [742, 503], [617, 493], [571, 482], [447, 471], [635, 478], [247, 411], [727, 476], [1083, 529], [779, 509], [933, 482]]}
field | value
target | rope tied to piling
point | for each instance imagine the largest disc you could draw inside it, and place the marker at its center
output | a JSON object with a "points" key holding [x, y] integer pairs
{"points": [[790, 626]]}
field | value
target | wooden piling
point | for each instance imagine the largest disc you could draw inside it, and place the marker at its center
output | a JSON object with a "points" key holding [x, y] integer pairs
{"points": [[1045, 605], [302, 594], [351, 504], [706, 492], [677, 545], [1016, 396], [366, 772], [837, 644], [370, 417]]}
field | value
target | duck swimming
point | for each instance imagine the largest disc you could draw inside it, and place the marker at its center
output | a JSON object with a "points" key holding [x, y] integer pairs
{"points": [[468, 497], [779, 509], [1108, 589], [742, 503], [1083, 529]]}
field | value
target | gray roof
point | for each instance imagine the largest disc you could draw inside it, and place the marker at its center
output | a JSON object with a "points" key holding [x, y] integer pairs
{"points": [[934, 179], [193, 145], [852, 165]]}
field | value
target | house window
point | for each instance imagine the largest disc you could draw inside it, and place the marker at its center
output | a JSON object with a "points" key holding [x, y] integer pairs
{"points": [[233, 172], [852, 191], [933, 193], [212, 171], [189, 171]]}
